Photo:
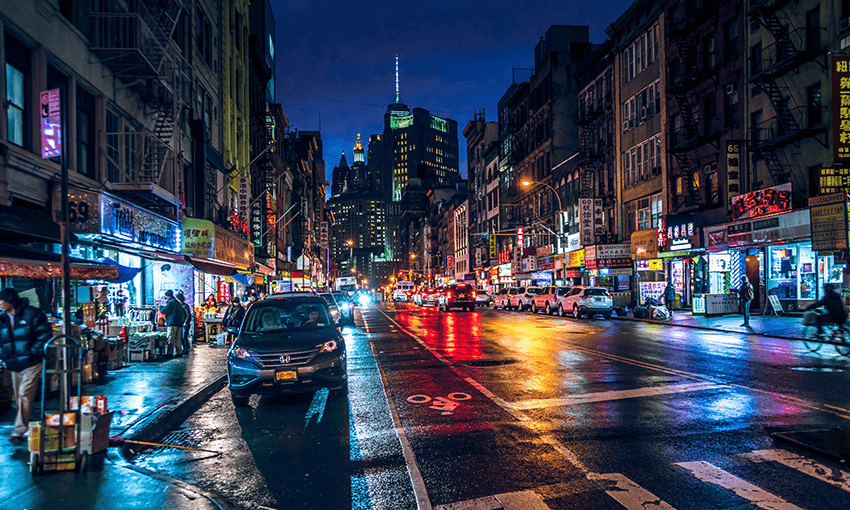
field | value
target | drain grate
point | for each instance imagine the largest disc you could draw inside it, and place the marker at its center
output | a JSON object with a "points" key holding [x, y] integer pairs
{"points": [[489, 362]]}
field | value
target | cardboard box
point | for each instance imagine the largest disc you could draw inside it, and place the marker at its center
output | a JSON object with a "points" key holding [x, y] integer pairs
{"points": [[51, 437], [94, 432], [67, 419], [87, 373], [139, 355], [66, 462]]}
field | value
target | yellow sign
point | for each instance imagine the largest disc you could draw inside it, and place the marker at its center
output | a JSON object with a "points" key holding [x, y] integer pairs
{"points": [[655, 265], [576, 258]]}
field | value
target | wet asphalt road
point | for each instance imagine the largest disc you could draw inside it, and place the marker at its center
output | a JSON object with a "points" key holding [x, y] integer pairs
{"points": [[494, 409]]}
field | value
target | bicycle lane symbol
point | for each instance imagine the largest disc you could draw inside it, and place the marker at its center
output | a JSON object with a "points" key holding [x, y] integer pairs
{"points": [[446, 405]]}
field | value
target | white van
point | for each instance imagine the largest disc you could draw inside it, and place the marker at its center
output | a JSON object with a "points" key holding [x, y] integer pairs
{"points": [[401, 290]]}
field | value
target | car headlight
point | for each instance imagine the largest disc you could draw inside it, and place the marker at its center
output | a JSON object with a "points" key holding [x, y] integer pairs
{"points": [[329, 346], [345, 306], [241, 353], [364, 299]]}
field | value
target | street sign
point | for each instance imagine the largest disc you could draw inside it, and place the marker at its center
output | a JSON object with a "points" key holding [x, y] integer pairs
{"points": [[51, 124]]}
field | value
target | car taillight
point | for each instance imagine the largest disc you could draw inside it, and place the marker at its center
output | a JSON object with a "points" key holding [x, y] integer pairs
{"points": [[448, 294], [473, 294]]}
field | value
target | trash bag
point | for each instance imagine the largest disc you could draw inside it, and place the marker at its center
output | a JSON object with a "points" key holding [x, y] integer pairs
{"points": [[661, 314]]}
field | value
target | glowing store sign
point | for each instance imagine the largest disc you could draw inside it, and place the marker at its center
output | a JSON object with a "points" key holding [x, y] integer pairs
{"points": [[680, 236], [130, 223], [519, 237], [51, 124]]}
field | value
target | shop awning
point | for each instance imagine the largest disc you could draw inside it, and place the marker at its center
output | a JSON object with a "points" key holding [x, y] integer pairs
{"points": [[19, 261], [210, 267], [30, 224], [125, 273]]}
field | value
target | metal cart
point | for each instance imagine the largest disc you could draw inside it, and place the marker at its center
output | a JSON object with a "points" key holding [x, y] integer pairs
{"points": [[68, 352]]}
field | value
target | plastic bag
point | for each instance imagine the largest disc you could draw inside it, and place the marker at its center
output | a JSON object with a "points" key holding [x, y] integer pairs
{"points": [[661, 314]]}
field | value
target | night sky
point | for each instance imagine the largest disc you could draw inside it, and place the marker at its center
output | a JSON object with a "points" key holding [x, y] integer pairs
{"points": [[336, 60]]}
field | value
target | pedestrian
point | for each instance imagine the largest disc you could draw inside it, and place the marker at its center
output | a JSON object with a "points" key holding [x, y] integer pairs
{"points": [[211, 303], [233, 317], [746, 294], [835, 311], [174, 318], [669, 297], [24, 330], [187, 322]]}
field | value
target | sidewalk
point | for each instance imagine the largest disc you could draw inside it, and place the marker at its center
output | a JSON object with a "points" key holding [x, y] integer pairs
{"points": [[787, 327], [149, 399]]}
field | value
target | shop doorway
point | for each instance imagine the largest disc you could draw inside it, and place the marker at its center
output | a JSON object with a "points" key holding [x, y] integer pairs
{"points": [[753, 270]]}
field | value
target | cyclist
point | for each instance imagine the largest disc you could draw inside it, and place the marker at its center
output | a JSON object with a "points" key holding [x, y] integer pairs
{"points": [[835, 312]]}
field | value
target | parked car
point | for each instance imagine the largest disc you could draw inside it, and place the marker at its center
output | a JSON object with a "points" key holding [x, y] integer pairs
{"points": [[522, 300], [547, 300], [458, 295], [482, 298], [294, 293], [514, 296], [586, 301], [428, 296], [286, 345], [500, 299]]}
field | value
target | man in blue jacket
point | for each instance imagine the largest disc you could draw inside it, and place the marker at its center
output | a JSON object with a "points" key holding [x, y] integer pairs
{"points": [[174, 318], [24, 330]]}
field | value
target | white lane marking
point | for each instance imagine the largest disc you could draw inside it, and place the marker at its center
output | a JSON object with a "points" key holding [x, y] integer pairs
{"points": [[423, 502], [831, 475], [605, 396], [761, 498], [524, 500], [628, 493]]}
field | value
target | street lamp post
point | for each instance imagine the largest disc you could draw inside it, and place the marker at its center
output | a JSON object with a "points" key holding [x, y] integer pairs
{"points": [[558, 221]]}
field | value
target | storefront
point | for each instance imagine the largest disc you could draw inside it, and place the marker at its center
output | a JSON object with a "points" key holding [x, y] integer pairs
{"points": [[223, 268], [776, 255], [609, 266], [649, 271], [683, 256], [574, 267]]}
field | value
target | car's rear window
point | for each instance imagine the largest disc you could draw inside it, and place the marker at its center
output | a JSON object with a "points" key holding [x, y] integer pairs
{"points": [[534, 290], [463, 286], [340, 296], [518, 290], [286, 316], [562, 291], [595, 292]]}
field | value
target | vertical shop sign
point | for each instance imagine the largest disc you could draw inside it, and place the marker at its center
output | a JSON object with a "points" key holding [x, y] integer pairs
{"points": [[841, 108], [830, 180], [493, 252], [520, 241], [733, 169], [257, 222], [585, 215], [51, 124], [243, 195], [598, 217]]}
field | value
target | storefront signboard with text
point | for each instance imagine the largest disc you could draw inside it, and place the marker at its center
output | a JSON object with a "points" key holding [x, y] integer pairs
{"points": [[607, 255], [829, 227], [763, 202], [840, 67], [229, 248], [644, 244], [198, 238], [830, 180]]}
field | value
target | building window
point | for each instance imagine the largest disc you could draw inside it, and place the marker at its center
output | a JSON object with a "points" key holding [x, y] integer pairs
{"points": [[755, 59], [730, 108], [656, 209], [813, 29], [712, 183], [15, 113], [813, 94], [85, 133], [204, 32], [731, 46]]}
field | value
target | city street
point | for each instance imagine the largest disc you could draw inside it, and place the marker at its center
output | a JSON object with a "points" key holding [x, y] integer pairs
{"points": [[492, 409]]}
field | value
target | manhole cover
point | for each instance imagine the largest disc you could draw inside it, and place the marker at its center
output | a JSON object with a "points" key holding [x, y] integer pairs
{"points": [[819, 369], [188, 437], [489, 362]]}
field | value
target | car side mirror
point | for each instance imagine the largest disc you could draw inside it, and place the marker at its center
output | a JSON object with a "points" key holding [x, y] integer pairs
{"points": [[233, 331]]}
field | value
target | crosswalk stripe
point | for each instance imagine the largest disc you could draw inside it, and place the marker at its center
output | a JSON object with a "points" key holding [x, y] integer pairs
{"points": [[628, 493], [830, 475], [605, 396], [707, 472], [525, 500]]}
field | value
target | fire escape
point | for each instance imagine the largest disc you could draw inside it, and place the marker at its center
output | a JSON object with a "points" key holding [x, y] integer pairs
{"points": [[688, 74], [133, 40], [591, 151], [791, 49]]}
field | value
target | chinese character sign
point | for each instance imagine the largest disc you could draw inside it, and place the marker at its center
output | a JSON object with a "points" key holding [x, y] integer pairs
{"points": [[51, 124], [519, 237], [762, 202], [598, 217], [733, 168], [841, 108], [829, 180], [243, 193], [585, 212]]}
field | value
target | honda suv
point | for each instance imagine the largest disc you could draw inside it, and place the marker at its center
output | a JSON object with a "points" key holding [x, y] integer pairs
{"points": [[587, 301], [500, 300], [286, 345], [459, 295], [547, 300]]}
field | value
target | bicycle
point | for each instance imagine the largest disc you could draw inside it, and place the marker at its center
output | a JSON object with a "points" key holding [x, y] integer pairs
{"points": [[835, 334]]}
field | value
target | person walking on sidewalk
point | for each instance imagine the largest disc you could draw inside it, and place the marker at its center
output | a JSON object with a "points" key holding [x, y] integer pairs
{"points": [[173, 313], [746, 293], [669, 297], [233, 317], [187, 322], [24, 330]]}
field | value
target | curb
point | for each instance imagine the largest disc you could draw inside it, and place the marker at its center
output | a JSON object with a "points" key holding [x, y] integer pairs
{"points": [[171, 416], [706, 328]]}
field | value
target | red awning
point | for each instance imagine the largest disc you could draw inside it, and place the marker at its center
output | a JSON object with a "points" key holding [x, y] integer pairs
{"points": [[210, 267]]}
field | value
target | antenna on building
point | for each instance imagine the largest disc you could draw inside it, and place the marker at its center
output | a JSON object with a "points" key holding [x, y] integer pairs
{"points": [[396, 77]]}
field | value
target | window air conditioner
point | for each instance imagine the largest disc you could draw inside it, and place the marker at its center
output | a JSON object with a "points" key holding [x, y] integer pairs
{"points": [[731, 88]]}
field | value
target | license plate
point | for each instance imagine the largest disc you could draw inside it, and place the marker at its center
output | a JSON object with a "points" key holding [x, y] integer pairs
{"points": [[598, 300], [461, 295], [286, 375]]}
